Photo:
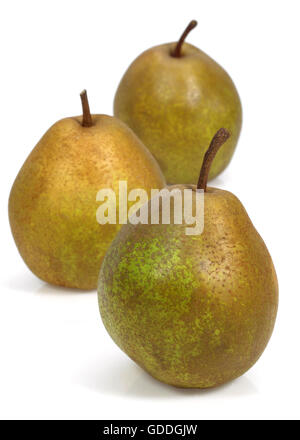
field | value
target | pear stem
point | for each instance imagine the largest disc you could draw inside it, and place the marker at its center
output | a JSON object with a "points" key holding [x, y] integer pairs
{"points": [[217, 141], [86, 114], [177, 51]]}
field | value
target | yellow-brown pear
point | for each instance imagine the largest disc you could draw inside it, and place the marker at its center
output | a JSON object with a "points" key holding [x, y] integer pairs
{"points": [[194, 311], [52, 205], [175, 97]]}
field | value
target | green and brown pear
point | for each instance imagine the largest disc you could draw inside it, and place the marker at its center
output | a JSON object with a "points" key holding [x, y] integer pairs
{"points": [[194, 311], [175, 97], [52, 205]]}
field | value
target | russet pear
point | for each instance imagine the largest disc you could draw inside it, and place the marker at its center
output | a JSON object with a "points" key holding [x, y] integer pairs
{"points": [[52, 204], [194, 311], [175, 97]]}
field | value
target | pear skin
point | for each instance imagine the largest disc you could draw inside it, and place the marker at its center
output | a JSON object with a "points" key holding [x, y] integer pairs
{"points": [[176, 103], [52, 204], [193, 311]]}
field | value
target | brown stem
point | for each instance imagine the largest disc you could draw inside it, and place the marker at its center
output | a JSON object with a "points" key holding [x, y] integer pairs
{"points": [[86, 114], [217, 141], [177, 51]]}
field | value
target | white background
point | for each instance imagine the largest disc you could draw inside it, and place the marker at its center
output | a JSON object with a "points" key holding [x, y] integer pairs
{"points": [[56, 359]]}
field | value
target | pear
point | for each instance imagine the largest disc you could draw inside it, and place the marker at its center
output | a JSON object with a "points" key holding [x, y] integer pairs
{"points": [[52, 204], [175, 97], [194, 311]]}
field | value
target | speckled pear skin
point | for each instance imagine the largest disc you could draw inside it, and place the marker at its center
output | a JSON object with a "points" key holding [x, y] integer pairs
{"points": [[176, 105], [52, 205], [193, 311]]}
